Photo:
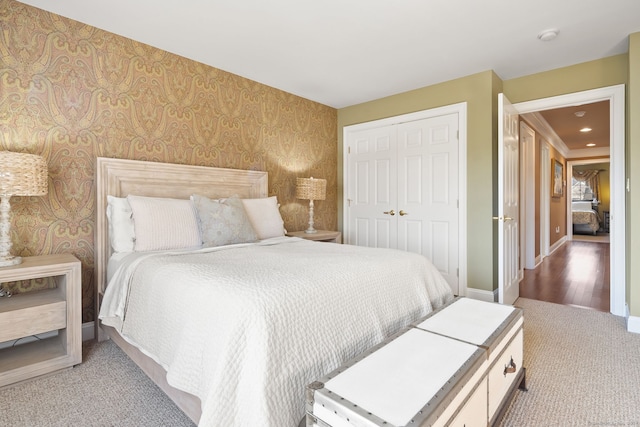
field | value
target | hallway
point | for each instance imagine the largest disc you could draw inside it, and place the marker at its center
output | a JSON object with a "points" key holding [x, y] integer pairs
{"points": [[576, 274]]}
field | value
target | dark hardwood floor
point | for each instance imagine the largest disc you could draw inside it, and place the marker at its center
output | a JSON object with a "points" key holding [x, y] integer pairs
{"points": [[576, 274]]}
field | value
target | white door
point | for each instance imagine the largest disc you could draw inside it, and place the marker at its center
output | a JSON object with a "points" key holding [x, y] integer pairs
{"points": [[403, 190], [372, 188], [508, 202], [428, 192]]}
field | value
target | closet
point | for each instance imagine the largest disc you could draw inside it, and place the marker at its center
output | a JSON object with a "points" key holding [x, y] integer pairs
{"points": [[402, 186]]}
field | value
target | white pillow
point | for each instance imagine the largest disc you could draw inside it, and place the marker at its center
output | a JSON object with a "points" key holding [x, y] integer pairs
{"points": [[265, 217], [120, 217], [223, 222], [581, 206], [163, 224]]}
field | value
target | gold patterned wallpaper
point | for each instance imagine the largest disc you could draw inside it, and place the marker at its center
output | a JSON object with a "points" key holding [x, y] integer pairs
{"points": [[71, 92]]}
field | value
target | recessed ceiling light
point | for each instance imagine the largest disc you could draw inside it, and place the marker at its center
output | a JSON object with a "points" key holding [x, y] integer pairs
{"points": [[591, 144], [580, 113], [548, 35], [585, 130]]}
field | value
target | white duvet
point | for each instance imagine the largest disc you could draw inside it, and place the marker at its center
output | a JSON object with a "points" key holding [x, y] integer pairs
{"points": [[246, 327]]}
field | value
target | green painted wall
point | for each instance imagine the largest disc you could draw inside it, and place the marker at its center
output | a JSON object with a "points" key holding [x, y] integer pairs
{"points": [[576, 78], [479, 91], [633, 168]]}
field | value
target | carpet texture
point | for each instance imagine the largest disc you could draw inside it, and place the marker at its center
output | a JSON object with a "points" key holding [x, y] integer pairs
{"points": [[107, 389], [583, 369]]}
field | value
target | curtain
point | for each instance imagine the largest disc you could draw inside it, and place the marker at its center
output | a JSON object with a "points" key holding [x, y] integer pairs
{"points": [[592, 179]]}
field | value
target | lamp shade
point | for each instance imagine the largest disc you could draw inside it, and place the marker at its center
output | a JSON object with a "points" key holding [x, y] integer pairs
{"points": [[22, 174], [311, 188]]}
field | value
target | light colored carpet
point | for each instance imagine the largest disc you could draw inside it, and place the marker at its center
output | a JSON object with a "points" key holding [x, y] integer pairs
{"points": [[583, 369], [107, 389]]}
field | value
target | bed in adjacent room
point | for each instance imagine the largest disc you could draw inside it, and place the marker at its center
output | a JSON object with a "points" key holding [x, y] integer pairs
{"points": [[233, 325], [584, 218]]}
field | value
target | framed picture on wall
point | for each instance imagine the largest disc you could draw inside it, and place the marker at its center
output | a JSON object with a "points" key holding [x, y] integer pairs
{"points": [[556, 178]]}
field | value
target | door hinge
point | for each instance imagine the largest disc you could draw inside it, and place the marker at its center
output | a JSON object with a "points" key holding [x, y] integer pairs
{"points": [[349, 150], [457, 272]]}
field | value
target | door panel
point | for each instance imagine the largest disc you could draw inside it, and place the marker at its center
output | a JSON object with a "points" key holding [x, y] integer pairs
{"points": [[508, 201], [429, 189], [373, 162]]}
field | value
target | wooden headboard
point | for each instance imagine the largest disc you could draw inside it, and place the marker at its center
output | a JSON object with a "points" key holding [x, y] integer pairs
{"points": [[118, 177]]}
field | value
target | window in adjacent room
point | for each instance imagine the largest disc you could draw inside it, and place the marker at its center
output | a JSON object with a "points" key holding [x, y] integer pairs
{"points": [[581, 190]]}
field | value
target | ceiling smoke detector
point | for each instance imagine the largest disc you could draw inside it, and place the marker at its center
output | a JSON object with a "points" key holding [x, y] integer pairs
{"points": [[548, 35], [580, 113]]}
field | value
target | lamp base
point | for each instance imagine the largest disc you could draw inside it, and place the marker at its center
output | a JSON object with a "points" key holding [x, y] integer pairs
{"points": [[10, 260], [310, 230]]}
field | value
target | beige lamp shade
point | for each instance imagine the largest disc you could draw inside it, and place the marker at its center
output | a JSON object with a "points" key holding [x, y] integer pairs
{"points": [[22, 174], [311, 188]]}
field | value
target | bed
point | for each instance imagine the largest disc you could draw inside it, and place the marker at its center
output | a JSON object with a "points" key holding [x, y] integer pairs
{"points": [[585, 219], [233, 333]]}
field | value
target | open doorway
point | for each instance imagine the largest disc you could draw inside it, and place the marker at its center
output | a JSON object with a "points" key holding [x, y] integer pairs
{"points": [[615, 96], [590, 199]]}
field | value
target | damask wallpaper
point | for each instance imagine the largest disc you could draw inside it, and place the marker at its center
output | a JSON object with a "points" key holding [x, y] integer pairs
{"points": [[71, 93]]}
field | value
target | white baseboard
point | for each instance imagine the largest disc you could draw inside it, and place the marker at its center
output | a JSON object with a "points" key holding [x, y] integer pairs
{"points": [[557, 244], [538, 261], [482, 295], [633, 324]]}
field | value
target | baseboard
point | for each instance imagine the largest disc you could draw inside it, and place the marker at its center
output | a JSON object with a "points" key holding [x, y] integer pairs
{"points": [[557, 244], [538, 261], [633, 324], [482, 295], [88, 331]]}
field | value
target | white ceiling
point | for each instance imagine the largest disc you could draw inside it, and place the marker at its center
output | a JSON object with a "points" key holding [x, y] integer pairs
{"points": [[344, 52]]}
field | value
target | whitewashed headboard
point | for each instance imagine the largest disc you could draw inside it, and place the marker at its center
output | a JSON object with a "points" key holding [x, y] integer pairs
{"points": [[120, 178]]}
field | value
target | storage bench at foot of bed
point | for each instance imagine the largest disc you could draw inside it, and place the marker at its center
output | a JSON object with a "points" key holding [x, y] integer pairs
{"points": [[459, 366]]}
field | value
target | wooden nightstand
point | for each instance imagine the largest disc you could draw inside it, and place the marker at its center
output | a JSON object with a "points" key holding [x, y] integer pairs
{"points": [[320, 236], [37, 312]]}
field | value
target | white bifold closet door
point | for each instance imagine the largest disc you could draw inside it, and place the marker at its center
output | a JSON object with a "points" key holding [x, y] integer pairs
{"points": [[402, 188]]}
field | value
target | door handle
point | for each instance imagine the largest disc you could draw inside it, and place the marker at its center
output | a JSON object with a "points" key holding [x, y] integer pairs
{"points": [[502, 218], [391, 212], [402, 213]]}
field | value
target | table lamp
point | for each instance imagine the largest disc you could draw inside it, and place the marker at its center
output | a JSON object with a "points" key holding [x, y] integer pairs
{"points": [[311, 189], [21, 174]]}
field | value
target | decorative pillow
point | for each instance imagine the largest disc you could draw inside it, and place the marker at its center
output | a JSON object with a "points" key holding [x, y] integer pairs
{"points": [[223, 222], [120, 217], [163, 224], [265, 217]]}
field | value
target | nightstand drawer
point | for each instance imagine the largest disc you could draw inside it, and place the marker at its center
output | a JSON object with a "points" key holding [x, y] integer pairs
{"points": [[23, 315]]}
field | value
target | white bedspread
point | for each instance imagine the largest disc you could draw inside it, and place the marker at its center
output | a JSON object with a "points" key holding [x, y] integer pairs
{"points": [[246, 327]]}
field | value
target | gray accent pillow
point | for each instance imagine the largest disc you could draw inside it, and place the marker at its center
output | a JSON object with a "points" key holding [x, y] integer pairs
{"points": [[223, 221]]}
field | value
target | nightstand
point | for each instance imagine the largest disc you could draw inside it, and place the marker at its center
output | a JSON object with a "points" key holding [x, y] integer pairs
{"points": [[31, 313], [320, 236]]}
